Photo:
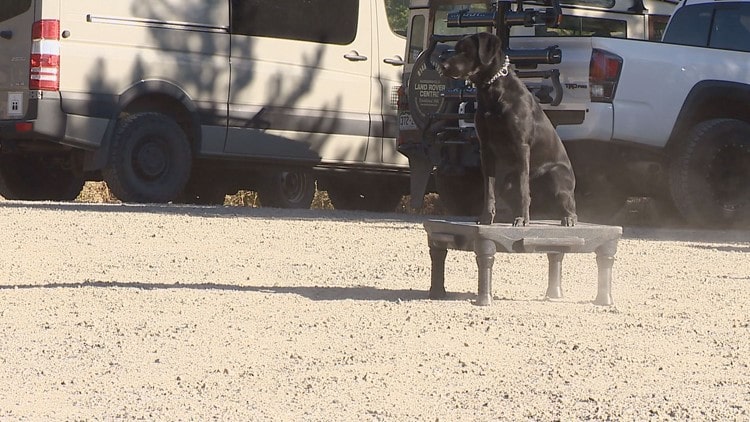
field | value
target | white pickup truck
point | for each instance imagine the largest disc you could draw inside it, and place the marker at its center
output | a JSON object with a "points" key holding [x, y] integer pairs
{"points": [[668, 120]]}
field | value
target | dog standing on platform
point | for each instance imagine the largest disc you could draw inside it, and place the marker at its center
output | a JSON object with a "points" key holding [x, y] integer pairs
{"points": [[517, 140]]}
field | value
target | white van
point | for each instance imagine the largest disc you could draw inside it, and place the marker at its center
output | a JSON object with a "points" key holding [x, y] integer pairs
{"points": [[192, 99]]}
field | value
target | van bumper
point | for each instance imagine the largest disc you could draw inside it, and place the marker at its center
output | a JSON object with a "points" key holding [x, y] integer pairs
{"points": [[46, 121]]}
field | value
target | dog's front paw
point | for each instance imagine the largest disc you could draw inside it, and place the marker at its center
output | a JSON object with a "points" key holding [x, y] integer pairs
{"points": [[568, 221], [520, 222], [485, 219]]}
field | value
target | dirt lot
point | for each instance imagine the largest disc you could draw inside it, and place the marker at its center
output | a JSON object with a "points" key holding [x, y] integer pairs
{"points": [[189, 313]]}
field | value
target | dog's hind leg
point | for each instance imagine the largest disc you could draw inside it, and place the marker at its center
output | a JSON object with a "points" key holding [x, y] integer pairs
{"points": [[490, 181], [564, 187]]}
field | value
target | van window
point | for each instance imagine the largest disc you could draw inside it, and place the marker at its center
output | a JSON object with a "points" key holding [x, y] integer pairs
{"points": [[11, 9], [322, 21], [576, 26], [398, 15]]}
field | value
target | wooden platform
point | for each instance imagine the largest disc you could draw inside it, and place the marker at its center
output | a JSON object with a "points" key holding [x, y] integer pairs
{"points": [[538, 237]]}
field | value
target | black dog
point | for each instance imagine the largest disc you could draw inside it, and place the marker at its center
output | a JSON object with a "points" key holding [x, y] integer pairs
{"points": [[517, 140]]}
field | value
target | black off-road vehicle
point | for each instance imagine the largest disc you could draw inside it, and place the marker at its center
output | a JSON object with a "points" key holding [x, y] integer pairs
{"points": [[436, 113]]}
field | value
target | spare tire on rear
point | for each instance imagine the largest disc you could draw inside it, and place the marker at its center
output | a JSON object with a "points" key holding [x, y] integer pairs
{"points": [[426, 85]]}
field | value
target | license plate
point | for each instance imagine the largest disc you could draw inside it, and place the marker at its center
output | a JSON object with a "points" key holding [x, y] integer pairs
{"points": [[405, 122]]}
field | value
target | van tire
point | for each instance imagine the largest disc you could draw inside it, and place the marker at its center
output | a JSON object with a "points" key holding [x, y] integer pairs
{"points": [[149, 159], [709, 174], [37, 178], [287, 189]]}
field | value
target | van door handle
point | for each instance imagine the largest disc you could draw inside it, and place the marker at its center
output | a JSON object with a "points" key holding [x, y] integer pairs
{"points": [[353, 56], [395, 60], [6, 34]]}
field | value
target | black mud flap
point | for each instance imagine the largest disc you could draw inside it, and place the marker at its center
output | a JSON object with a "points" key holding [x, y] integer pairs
{"points": [[420, 167]]}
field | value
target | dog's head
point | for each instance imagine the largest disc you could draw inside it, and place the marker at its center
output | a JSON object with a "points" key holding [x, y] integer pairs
{"points": [[475, 54]]}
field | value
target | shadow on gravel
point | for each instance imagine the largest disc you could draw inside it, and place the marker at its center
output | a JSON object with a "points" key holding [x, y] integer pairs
{"points": [[359, 293], [223, 211]]}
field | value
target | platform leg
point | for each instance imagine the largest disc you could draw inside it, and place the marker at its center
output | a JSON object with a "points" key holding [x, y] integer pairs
{"points": [[554, 288], [485, 251], [437, 278], [605, 260]]}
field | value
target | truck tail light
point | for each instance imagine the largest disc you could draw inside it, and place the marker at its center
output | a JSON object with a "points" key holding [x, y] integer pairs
{"points": [[604, 73], [45, 55]]}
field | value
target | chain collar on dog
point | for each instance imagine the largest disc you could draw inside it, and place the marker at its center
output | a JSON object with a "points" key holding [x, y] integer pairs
{"points": [[501, 73]]}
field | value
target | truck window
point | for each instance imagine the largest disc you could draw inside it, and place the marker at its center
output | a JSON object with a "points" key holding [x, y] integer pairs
{"points": [[322, 21], [576, 26], [416, 41], [690, 25], [731, 28], [398, 15], [606, 4], [11, 9]]}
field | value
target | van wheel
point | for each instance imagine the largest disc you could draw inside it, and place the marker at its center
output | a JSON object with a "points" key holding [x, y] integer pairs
{"points": [[461, 194], [368, 197], [38, 178], [710, 172], [149, 159], [287, 189]]}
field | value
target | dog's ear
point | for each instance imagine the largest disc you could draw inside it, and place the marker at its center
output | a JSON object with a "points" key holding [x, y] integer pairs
{"points": [[489, 45]]}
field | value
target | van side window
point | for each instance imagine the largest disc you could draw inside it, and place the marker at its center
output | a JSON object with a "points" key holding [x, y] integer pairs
{"points": [[398, 15], [11, 9], [322, 21]]}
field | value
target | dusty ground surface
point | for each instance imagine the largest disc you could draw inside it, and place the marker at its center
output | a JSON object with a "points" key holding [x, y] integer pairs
{"points": [[189, 313]]}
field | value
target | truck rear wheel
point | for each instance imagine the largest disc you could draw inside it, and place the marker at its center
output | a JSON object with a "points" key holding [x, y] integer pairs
{"points": [[287, 189], [150, 159], [38, 178], [710, 174]]}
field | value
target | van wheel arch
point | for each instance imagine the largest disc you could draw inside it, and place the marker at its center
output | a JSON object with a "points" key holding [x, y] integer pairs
{"points": [[151, 96]]}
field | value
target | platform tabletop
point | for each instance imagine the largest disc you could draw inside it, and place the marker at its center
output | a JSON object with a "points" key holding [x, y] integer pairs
{"points": [[538, 236]]}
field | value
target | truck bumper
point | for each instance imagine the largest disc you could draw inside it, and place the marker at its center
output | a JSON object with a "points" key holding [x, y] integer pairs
{"points": [[598, 125]]}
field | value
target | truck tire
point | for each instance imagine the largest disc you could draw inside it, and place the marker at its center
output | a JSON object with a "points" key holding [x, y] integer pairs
{"points": [[461, 194], [287, 189], [150, 159], [38, 178], [710, 174]]}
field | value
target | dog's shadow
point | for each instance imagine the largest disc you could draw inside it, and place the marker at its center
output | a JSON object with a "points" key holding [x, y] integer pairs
{"points": [[315, 293]]}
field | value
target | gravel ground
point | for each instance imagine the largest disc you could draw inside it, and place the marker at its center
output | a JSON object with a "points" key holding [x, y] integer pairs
{"points": [[197, 313]]}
